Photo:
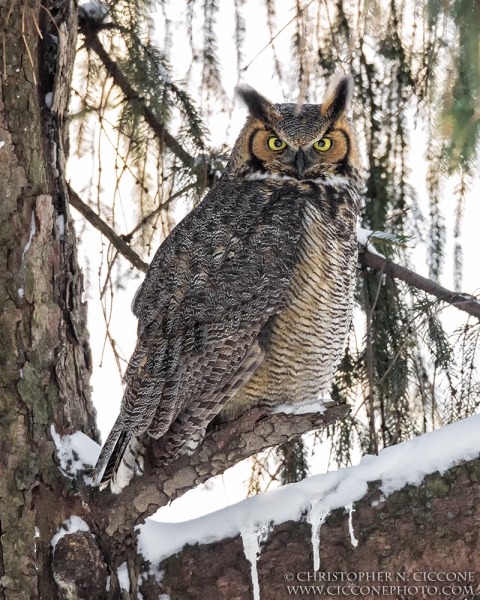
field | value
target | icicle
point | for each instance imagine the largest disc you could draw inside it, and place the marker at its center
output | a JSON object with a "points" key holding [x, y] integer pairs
{"points": [[350, 526], [316, 520], [251, 547]]}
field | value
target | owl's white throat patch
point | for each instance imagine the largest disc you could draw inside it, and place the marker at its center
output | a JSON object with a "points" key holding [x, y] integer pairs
{"points": [[335, 180]]}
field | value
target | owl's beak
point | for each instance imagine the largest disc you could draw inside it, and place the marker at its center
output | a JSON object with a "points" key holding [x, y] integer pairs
{"points": [[300, 162]]}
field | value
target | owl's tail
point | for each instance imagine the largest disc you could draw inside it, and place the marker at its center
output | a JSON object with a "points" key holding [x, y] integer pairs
{"points": [[121, 457]]}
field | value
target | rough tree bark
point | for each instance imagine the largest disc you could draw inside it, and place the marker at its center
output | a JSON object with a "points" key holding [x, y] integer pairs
{"points": [[45, 368], [44, 351]]}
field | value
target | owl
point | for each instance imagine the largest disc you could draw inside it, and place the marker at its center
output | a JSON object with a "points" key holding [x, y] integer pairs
{"points": [[247, 302]]}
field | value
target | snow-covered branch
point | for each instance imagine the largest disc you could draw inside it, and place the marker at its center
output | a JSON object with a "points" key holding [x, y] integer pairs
{"points": [[392, 516]]}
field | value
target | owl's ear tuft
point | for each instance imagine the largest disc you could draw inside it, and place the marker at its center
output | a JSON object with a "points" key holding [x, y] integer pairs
{"points": [[256, 103], [338, 96]]}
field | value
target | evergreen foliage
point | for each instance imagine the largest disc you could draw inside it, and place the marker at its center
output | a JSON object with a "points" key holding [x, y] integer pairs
{"points": [[401, 373]]}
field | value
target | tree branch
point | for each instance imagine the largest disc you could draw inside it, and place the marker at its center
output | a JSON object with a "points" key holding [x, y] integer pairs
{"points": [[89, 31], [147, 218], [366, 258], [222, 448], [465, 302], [117, 242], [420, 529]]}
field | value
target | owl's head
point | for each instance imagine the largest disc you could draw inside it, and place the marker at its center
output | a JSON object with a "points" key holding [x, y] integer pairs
{"points": [[310, 141]]}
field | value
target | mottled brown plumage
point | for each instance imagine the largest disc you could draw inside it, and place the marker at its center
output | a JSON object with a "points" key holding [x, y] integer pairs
{"points": [[248, 301]]}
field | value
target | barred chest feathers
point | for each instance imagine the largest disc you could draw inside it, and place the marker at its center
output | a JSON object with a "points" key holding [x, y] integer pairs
{"points": [[305, 341]]}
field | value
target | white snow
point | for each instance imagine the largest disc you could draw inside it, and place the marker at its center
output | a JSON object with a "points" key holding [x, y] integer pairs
{"points": [[94, 9], [406, 463], [251, 547], [301, 409], [49, 99], [33, 231], [364, 236], [2, 144], [162, 71], [76, 452], [71, 525], [123, 577], [316, 519], [37, 535], [61, 224]]}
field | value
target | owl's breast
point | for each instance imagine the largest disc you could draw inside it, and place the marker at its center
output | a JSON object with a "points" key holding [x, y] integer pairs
{"points": [[305, 340]]}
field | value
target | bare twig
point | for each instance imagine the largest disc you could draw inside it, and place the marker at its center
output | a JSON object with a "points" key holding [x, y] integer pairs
{"points": [[272, 39], [128, 236], [92, 217]]}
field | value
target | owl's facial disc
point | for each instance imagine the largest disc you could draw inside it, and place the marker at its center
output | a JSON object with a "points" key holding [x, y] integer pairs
{"points": [[276, 153]]}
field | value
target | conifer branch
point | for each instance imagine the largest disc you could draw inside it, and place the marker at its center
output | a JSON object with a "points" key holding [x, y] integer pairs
{"points": [[465, 302], [125, 250], [92, 42]]}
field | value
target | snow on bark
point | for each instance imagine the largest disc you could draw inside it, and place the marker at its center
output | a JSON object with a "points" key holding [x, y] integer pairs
{"points": [[350, 525], [302, 409], [69, 527], [33, 231], [76, 452], [123, 577], [316, 519]]}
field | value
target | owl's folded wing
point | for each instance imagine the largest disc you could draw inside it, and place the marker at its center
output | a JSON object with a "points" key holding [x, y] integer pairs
{"points": [[211, 288]]}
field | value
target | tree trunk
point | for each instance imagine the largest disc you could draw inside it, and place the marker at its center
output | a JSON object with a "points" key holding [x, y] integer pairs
{"points": [[44, 351]]}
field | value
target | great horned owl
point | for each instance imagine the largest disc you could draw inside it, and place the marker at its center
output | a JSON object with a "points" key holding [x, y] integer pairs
{"points": [[248, 301]]}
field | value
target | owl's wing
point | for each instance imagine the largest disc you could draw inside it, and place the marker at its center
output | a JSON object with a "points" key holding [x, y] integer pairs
{"points": [[211, 288]]}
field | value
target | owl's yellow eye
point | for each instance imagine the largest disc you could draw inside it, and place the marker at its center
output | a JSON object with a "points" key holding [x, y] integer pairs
{"points": [[275, 143], [323, 145]]}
